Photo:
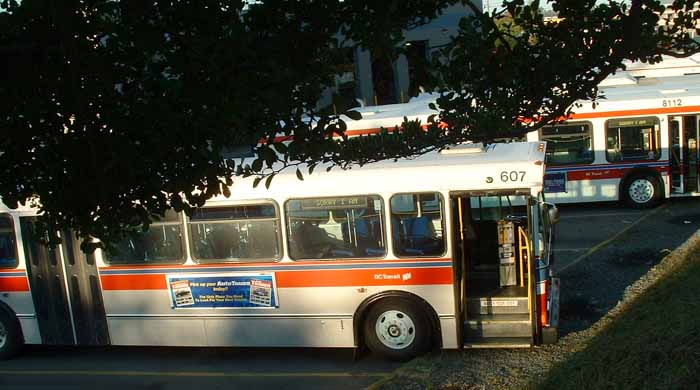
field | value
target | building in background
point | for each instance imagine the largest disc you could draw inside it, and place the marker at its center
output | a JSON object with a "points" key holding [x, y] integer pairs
{"points": [[669, 13], [364, 80]]}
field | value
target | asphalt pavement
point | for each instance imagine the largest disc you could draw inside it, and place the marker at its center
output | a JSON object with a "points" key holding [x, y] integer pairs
{"points": [[131, 368], [604, 248]]}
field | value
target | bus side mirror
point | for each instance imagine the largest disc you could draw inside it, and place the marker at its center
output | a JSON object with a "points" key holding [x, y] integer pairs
{"points": [[553, 212]]}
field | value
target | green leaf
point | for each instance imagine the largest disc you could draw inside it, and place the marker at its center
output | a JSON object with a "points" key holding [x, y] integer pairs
{"points": [[280, 148], [300, 176], [256, 181], [257, 165], [354, 115], [342, 126], [268, 181], [190, 107]]}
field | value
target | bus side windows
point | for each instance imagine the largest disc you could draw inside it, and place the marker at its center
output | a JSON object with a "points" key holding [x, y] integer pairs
{"points": [[336, 228], [417, 224], [161, 244], [235, 233], [8, 244], [568, 143], [633, 139]]}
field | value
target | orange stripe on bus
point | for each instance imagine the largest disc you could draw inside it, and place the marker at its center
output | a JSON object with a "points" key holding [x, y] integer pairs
{"points": [[356, 132], [134, 282], [573, 116], [364, 277], [638, 112], [14, 284]]}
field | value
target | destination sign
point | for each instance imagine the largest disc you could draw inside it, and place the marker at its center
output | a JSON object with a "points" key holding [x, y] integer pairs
{"points": [[345, 202], [632, 122]]}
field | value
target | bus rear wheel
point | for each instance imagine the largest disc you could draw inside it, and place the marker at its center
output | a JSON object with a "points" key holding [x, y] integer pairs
{"points": [[10, 336], [642, 191], [397, 329]]}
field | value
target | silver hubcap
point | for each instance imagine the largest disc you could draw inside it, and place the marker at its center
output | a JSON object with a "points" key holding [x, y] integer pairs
{"points": [[641, 190], [3, 335], [395, 329]]}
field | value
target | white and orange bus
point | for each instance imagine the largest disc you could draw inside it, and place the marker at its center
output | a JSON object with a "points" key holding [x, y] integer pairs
{"points": [[639, 144], [450, 249]]}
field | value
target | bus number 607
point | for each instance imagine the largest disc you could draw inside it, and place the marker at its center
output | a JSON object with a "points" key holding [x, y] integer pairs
{"points": [[512, 176]]}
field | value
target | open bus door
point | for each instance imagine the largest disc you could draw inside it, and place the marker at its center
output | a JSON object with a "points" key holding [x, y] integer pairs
{"points": [[676, 154], [65, 289], [505, 294], [548, 287], [493, 263], [691, 128], [684, 132]]}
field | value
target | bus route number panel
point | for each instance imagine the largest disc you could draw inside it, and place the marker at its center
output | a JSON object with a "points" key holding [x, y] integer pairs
{"points": [[223, 291]]}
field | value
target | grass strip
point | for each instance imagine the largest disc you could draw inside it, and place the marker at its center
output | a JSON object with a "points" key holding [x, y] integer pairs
{"points": [[654, 343]]}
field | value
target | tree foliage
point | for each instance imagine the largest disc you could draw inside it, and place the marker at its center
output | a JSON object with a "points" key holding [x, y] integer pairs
{"points": [[114, 111]]}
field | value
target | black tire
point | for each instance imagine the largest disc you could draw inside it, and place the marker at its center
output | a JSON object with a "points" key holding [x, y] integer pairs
{"points": [[642, 191], [388, 331], [10, 336]]}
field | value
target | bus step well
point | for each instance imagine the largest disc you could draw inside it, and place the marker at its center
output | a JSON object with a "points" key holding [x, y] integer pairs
{"points": [[498, 325], [497, 305], [498, 342], [498, 321]]}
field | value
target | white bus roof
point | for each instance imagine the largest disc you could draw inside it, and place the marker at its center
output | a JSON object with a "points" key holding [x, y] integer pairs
{"points": [[670, 66], [469, 167], [640, 86], [647, 96], [392, 115]]}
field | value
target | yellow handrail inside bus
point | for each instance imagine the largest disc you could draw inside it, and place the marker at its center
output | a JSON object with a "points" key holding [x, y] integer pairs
{"points": [[522, 237], [522, 246]]}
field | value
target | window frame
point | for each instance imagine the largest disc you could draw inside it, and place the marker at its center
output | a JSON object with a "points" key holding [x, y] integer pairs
{"points": [[442, 218], [277, 218], [591, 131], [16, 242], [657, 122], [178, 261], [382, 219], [505, 194]]}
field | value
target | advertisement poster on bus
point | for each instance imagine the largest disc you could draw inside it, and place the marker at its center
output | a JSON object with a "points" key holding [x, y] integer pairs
{"points": [[555, 182], [231, 290]]}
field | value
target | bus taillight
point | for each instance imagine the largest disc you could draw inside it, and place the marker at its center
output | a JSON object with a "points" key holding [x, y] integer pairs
{"points": [[542, 290]]}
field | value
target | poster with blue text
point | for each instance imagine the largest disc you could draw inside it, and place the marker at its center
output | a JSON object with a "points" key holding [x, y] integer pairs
{"points": [[555, 182], [231, 290]]}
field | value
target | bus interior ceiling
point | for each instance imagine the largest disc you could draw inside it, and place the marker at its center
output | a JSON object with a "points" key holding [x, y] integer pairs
{"points": [[491, 269]]}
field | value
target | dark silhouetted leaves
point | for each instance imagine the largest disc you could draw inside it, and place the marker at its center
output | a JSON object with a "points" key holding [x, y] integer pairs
{"points": [[115, 111]]}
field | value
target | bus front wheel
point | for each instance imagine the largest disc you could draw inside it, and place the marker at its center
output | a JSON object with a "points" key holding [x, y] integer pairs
{"points": [[642, 191], [397, 328], [10, 336]]}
